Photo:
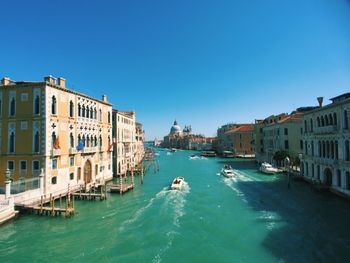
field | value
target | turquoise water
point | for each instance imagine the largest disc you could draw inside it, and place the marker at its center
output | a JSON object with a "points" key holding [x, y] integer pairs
{"points": [[252, 218]]}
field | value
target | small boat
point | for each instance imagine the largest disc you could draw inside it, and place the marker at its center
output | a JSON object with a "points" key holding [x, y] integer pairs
{"points": [[178, 183], [227, 171], [208, 153], [173, 150], [193, 156], [228, 154], [267, 168]]}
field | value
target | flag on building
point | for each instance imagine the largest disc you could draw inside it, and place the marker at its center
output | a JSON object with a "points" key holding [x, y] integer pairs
{"points": [[57, 143], [80, 145]]}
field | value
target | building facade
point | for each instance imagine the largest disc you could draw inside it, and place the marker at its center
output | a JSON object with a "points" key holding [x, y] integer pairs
{"points": [[236, 139], [124, 130], [326, 138], [140, 143], [278, 133], [48, 127]]}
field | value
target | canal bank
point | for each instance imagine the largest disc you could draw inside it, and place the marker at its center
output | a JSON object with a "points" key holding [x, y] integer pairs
{"points": [[251, 218]]}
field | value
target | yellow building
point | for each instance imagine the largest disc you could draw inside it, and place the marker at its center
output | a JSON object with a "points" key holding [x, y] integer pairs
{"points": [[46, 126]]}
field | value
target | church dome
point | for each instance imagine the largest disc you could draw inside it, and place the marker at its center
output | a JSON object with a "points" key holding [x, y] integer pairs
{"points": [[175, 129]]}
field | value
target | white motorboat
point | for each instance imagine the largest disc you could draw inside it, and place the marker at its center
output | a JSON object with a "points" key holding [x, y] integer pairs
{"points": [[178, 183], [227, 171], [267, 168]]}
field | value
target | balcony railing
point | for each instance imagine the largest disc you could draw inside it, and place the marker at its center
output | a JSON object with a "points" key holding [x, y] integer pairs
{"points": [[73, 151], [90, 149], [326, 129], [56, 152]]}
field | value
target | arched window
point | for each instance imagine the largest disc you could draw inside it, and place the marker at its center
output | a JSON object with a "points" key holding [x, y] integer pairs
{"points": [[37, 105], [100, 142], [326, 120], [13, 107], [336, 150], [346, 120], [109, 117], [328, 151], [87, 112], [318, 121], [305, 126], [82, 111], [332, 149], [100, 115], [347, 151], [53, 139], [95, 114], [312, 148], [87, 141], [79, 138], [91, 113], [71, 140], [330, 119], [71, 109], [335, 118], [323, 149], [319, 149], [84, 142], [311, 125], [36, 142], [92, 141], [347, 180], [322, 121], [53, 105], [95, 141], [79, 110], [339, 178], [12, 143]]}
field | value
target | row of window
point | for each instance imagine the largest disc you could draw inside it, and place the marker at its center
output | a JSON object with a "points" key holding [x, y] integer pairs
{"points": [[328, 149], [327, 120], [23, 165]]}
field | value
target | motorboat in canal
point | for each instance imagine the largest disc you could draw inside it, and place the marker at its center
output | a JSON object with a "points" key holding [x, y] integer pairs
{"points": [[178, 183], [208, 153], [267, 168], [227, 171], [173, 150], [193, 157]]}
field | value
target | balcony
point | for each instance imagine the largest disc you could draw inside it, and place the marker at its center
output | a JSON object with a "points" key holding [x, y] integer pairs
{"points": [[88, 150], [326, 130], [55, 152], [73, 151]]}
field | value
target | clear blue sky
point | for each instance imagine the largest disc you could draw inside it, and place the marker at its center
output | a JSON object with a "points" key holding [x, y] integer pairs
{"points": [[205, 63]]}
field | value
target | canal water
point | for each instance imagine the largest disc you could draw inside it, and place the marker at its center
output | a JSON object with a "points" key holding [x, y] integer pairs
{"points": [[251, 218]]}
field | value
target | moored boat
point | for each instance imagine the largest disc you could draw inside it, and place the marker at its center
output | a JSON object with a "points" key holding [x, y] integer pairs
{"points": [[208, 153], [267, 168]]}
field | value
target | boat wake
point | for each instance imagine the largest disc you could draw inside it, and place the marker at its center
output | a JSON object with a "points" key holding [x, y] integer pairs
{"points": [[230, 183], [174, 205], [142, 210]]}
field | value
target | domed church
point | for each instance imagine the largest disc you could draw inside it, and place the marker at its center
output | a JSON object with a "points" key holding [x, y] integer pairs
{"points": [[175, 129]]}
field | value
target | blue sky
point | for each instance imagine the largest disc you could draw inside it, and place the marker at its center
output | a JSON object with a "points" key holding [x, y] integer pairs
{"points": [[205, 63]]}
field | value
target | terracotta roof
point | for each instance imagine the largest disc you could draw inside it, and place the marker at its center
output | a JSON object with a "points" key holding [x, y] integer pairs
{"points": [[242, 128]]}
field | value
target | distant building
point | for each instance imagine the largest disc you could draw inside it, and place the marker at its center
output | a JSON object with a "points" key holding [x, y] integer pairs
{"points": [[47, 126], [184, 139], [326, 139], [236, 139]]}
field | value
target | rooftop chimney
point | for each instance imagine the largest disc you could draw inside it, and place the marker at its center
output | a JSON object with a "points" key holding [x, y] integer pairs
{"points": [[320, 101], [5, 81], [104, 98], [62, 82], [50, 79]]}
